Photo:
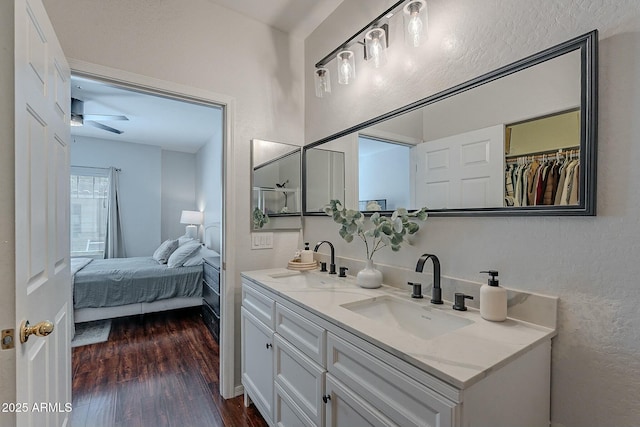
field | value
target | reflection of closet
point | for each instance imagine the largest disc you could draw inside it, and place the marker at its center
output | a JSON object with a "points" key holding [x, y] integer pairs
{"points": [[543, 178]]}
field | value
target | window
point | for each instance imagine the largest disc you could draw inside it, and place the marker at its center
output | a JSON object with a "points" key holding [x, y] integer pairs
{"points": [[89, 208]]}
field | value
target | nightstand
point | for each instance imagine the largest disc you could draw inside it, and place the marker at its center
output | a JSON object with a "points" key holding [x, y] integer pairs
{"points": [[211, 295]]}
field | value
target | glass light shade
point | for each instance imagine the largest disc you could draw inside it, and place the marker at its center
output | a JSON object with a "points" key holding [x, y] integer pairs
{"points": [[191, 217], [346, 67], [376, 46], [415, 22], [322, 80]]}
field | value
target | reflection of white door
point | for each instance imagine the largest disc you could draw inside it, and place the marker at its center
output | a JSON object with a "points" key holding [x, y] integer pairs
{"points": [[43, 286], [460, 171]]}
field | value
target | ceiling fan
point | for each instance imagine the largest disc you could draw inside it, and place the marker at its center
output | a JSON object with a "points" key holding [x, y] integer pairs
{"points": [[78, 118]]}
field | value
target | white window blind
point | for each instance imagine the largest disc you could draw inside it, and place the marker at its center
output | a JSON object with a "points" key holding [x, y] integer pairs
{"points": [[89, 207]]}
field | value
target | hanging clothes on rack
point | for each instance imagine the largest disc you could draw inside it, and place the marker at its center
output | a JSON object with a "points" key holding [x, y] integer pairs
{"points": [[543, 179]]}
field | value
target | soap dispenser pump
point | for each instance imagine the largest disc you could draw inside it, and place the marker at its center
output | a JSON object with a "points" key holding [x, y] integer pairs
{"points": [[493, 299]]}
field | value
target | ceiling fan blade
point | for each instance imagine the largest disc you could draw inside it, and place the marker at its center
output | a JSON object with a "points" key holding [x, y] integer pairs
{"points": [[104, 117], [103, 127]]}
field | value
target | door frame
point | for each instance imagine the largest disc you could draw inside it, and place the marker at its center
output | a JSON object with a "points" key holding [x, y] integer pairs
{"points": [[227, 268]]}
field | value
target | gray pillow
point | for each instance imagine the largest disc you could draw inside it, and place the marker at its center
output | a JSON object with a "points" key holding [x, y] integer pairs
{"points": [[165, 250], [180, 255]]}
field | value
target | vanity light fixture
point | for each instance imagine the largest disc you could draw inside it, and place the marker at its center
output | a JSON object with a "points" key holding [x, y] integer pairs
{"points": [[415, 22], [346, 67], [375, 38], [375, 41], [322, 80]]}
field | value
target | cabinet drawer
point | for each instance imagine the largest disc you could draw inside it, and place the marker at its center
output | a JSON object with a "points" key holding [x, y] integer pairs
{"points": [[212, 320], [258, 304], [305, 335], [212, 277], [288, 414], [398, 396], [211, 297], [300, 377]]}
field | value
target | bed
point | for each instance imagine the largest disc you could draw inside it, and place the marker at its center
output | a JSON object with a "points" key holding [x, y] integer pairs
{"points": [[109, 288]]}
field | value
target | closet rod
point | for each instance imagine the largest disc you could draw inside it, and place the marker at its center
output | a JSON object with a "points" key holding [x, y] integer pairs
{"points": [[540, 153], [94, 167]]}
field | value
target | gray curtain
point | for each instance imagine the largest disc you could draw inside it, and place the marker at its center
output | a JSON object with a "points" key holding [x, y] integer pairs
{"points": [[114, 241]]}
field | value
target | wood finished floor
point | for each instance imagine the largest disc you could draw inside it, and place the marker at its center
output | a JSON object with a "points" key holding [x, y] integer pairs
{"points": [[156, 370]]}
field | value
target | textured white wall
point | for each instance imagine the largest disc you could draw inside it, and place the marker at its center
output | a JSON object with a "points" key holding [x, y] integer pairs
{"points": [[591, 263]]}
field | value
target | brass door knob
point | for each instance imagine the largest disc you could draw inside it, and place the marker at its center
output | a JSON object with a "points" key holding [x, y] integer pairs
{"points": [[41, 329]]}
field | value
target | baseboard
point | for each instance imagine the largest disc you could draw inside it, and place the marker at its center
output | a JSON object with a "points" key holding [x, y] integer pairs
{"points": [[238, 390]]}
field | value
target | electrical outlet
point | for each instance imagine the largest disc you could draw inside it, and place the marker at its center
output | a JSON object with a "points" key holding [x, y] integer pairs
{"points": [[261, 240]]}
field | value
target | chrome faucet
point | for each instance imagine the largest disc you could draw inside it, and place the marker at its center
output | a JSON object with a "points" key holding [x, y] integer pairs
{"points": [[332, 265], [436, 293]]}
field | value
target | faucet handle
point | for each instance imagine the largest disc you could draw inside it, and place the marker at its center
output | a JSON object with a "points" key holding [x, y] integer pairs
{"points": [[343, 272], [417, 290], [323, 266], [459, 301]]}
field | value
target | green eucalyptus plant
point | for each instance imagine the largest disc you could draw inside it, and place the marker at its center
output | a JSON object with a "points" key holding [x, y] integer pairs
{"points": [[385, 231], [260, 218]]}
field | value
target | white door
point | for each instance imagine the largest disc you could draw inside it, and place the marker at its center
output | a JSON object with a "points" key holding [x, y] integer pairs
{"points": [[43, 286], [461, 171]]}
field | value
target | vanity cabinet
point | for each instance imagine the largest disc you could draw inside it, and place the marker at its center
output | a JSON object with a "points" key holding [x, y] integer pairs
{"points": [[257, 315], [317, 373]]}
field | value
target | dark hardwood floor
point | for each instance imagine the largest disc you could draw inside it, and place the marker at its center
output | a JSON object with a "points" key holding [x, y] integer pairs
{"points": [[156, 370]]}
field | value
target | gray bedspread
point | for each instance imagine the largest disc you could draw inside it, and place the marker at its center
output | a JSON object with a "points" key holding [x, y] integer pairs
{"points": [[119, 281]]}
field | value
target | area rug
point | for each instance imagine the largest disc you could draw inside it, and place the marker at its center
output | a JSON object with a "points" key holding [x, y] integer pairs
{"points": [[91, 332]]}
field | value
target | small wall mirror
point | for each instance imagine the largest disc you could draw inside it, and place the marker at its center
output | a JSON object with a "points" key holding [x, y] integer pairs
{"points": [[276, 186], [520, 140]]}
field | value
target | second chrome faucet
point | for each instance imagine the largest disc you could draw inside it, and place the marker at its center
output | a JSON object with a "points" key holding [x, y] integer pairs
{"points": [[436, 292]]}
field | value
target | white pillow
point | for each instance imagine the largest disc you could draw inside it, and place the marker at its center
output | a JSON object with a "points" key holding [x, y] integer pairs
{"points": [[198, 257], [165, 250], [180, 255]]}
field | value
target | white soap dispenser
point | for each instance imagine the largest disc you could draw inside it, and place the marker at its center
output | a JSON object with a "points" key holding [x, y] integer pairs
{"points": [[306, 256], [493, 299]]}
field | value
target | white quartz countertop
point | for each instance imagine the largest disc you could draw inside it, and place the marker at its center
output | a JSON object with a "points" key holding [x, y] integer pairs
{"points": [[461, 357]]}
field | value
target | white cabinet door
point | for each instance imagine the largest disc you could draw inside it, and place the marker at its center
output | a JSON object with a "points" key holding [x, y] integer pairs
{"points": [[394, 393], [287, 413], [301, 378], [257, 363], [345, 409]]}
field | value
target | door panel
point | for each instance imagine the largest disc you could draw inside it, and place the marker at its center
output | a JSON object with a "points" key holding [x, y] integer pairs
{"points": [[43, 284], [461, 171]]}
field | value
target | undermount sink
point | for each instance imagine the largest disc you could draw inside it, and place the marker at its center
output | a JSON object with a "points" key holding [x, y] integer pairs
{"points": [[305, 279], [418, 320]]}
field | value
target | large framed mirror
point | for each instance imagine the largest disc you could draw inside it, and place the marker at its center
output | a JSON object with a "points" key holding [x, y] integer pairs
{"points": [[276, 201], [520, 140]]}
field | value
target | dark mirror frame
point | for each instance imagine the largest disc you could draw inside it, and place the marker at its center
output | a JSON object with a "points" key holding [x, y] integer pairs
{"points": [[588, 46]]}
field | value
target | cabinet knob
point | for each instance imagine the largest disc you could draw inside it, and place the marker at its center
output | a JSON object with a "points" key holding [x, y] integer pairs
{"points": [[326, 398], [269, 345]]}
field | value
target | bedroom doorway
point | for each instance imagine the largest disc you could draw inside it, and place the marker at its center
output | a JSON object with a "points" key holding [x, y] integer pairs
{"points": [[210, 194]]}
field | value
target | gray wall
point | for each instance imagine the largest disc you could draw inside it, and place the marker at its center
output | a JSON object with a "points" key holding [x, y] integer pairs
{"points": [[590, 263], [178, 191], [140, 188]]}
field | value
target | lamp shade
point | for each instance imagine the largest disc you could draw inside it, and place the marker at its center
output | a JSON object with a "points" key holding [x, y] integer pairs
{"points": [[191, 217]]}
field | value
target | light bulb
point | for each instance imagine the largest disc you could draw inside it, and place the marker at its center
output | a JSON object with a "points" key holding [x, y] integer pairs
{"points": [[415, 22], [346, 67], [414, 29], [322, 82], [375, 44]]}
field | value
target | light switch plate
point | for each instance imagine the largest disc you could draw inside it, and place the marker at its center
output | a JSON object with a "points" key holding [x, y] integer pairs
{"points": [[261, 240]]}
